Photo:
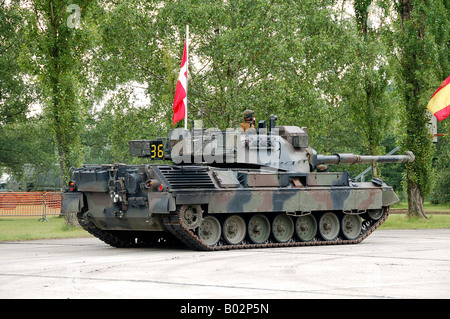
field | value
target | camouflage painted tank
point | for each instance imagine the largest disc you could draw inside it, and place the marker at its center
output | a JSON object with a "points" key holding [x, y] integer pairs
{"points": [[230, 189]]}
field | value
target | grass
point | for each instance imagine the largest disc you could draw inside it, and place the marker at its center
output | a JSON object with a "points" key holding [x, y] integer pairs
{"points": [[428, 206], [438, 217], [401, 221], [29, 228]]}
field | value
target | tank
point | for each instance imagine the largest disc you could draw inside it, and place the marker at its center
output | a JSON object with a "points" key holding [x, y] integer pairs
{"points": [[215, 190]]}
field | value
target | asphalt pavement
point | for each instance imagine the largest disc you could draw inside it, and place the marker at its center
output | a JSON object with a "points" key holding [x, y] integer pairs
{"points": [[388, 264]]}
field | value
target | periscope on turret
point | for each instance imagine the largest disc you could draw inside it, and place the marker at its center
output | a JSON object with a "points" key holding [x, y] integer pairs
{"points": [[229, 190]]}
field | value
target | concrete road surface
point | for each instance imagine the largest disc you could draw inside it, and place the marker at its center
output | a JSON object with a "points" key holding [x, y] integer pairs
{"points": [[388, 264]]}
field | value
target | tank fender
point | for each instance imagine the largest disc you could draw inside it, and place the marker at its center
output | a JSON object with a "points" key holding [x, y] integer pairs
{"points": [[72, 202], [161, 203], [389, 196]]}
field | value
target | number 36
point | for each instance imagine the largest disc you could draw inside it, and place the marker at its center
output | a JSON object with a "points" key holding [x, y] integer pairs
{"points": [[157, 151]]}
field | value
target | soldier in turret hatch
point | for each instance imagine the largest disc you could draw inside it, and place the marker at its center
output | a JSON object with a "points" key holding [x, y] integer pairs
{"points": [[249, 120]]}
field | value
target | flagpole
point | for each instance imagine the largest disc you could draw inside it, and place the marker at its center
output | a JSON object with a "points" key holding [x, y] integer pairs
{"points": [[187, 75]]}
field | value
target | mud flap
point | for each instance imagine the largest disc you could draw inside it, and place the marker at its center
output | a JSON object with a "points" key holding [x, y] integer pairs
{"points": [[72, 202], [162, 203]]}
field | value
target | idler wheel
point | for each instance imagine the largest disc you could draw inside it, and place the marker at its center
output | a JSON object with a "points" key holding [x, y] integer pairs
{"points": [[306, 227], [375, 214], [210, 230], [191, 215], [351, 226], [329, 226], [282, 228], [234, 229], [258, 229]]}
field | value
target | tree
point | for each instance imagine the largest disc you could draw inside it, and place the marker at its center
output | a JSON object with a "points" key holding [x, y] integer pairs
{"points": [[54, 56], [421, 34], [366, 80], [273, 57], [109, 130], [15, 92]]}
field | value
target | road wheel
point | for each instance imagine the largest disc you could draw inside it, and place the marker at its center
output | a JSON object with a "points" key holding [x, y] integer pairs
{"points": [[258, 229], [234, 229], [351, 226], [329, 226], [306, 227], [210, 231], [282, 228]]}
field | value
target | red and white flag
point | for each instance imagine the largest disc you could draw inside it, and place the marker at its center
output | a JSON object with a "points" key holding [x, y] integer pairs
{"points": [[180, 101]]}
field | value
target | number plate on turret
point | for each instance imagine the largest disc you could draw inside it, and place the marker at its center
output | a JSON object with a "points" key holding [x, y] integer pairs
{"points": [[153, 149]]}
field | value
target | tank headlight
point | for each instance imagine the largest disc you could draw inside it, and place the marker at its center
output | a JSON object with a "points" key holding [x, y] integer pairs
{"points": [[72, 186]]}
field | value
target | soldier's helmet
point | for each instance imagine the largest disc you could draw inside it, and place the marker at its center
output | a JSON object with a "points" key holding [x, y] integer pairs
{"points": [[248, 115]]}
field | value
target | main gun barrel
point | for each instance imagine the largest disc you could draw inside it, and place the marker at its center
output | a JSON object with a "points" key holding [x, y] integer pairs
{"points": [[349, 158]]}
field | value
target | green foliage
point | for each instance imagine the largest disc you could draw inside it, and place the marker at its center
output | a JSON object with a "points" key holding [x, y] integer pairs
{"points": [[109, 130], [252, 54], [420, 51], [54, 55], [441, 165], [112, 78], [365, 89], [392, 174], [15, 93]]}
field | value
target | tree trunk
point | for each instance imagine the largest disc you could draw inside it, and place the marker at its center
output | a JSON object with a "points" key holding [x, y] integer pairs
{"points": [[71, 219], [374, 170], [415, 201]]}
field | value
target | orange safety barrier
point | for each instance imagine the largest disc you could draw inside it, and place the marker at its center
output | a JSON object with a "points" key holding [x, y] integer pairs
{"points": [[30, 203]]}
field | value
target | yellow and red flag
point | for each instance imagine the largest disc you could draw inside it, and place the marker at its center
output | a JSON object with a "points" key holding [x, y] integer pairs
{"points": [[439, 104]]}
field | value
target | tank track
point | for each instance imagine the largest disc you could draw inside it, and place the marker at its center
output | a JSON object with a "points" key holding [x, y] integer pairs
{"points": [[176, 227], [178, 234], [129, 239]]}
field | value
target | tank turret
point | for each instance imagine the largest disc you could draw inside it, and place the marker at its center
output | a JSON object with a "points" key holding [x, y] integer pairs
{"points": [[229, 190], [281, 147]]}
